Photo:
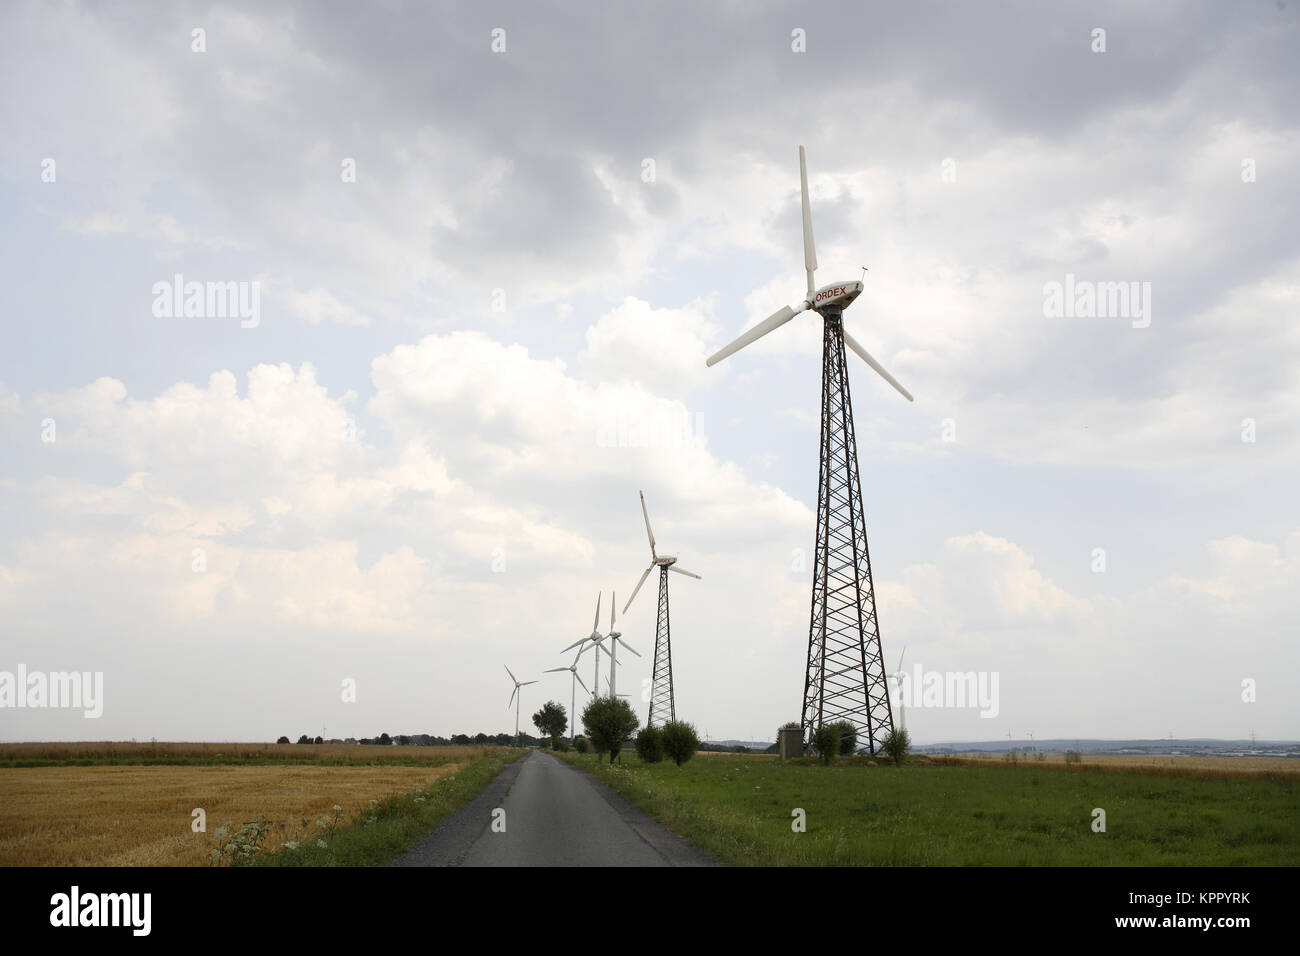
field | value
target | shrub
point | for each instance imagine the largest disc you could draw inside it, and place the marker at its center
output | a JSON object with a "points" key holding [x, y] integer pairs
{"points": [[1072, 756], [552, 720], [848, 736], [650, 745], [680, 741], [283, 740], [897, 744], [562, 745], [581, 744], [609, 722], [826, 741]]}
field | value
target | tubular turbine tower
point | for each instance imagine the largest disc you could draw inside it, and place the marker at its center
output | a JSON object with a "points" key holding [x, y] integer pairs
{"points": [[845, 674]]}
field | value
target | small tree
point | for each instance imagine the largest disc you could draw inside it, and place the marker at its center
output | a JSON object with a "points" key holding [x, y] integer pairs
{"points": [[680, 741], [650, 745], [609, 721], [897, 744], [385, 740], [826, 741], [283, 740], [848, 736], [581, 744], [304, 739], [319, 739], [552, 720]]}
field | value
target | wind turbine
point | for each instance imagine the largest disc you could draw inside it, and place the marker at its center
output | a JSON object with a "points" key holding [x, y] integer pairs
{"points": [[899, 676], [592, 640], [845, 675], [615, 639], [513, 694], [573, 692], [662, 701]]}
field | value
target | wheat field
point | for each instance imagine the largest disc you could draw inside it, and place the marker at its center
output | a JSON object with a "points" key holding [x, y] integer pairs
{"points": [[141, 816]]}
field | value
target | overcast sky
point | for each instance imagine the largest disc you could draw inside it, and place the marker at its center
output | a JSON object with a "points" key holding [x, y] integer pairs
{"points": [[420, 465]]}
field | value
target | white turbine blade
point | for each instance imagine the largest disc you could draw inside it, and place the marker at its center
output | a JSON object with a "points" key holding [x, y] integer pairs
{"points": [[552, 670], [689, 574], [575, 660], [809, 250], [580, 681], [613, 602], [636, 589], [575, 644], [900, 661], [595, 624], [527, 682], [629, 647], [512, 696], [511, 673], [863, 354], [773, 321], [648, 533]]}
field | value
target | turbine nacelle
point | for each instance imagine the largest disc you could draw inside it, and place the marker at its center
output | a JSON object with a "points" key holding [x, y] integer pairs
{"points": [[837, 296], [833, 298]]}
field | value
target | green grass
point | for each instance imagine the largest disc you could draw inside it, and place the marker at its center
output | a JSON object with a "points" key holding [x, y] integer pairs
{"points": [[390, 827], [739, 810]]}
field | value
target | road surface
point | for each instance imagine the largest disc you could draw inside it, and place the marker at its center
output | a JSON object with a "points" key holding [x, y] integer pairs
{"points": [[555, 815]]}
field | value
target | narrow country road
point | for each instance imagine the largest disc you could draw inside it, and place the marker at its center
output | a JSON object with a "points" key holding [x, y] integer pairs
{"points": [[555, 815]]}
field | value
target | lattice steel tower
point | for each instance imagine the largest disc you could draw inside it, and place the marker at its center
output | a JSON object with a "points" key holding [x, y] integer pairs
{"points": [[845, 678], [663, 706], [845, 674]]}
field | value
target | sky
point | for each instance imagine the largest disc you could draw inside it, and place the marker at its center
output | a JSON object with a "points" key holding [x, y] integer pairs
{"points": [[492, 246]]}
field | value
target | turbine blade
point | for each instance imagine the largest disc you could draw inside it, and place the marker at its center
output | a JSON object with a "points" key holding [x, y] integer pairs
{"points": [[552, 670], [649, 534], [527, 682], [900, 659], [580, 681], [511, 673], [773, 321], [863, 354], [635, 590], [575, 644], [595, 624], [689, 574], [512, 697], [809, 251], [613, 602], [629, 647]]}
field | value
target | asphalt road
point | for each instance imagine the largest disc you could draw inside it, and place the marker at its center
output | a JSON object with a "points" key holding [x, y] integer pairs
{"points": [[555, 815]]}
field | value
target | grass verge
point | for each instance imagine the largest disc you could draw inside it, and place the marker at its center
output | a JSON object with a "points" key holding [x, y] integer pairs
{"points": [[390, 827]]}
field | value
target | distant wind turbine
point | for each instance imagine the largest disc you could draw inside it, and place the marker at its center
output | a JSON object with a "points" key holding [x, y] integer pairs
{"points": [[517, 698], [592, 640], [573, 692]]}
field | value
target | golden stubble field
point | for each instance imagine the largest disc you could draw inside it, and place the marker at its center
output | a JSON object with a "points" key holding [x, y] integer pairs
{"points": [[133, 815], [289, 753], [1171, 762]]}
